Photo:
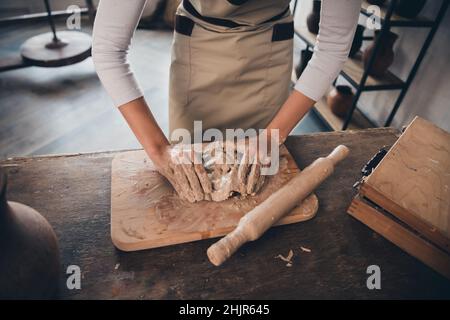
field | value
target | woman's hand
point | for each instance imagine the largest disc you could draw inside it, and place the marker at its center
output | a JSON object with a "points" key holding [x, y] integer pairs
{"points": [[249, 155], [177, 164], [182, 166]]}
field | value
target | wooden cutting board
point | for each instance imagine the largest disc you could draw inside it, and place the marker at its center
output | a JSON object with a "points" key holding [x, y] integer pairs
{"points": [[146, 212]]}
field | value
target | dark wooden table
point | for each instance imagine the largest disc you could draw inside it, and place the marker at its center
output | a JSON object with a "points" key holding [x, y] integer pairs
{"points": [[73, 193]]}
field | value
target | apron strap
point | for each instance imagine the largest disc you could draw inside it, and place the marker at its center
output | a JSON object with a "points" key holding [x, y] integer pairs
{"points": [[224, 22], [183, 25], [237, 2], [283, 31]]}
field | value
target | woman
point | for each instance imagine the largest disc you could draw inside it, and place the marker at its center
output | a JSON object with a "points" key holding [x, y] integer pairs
{"points": [[231, 67]]}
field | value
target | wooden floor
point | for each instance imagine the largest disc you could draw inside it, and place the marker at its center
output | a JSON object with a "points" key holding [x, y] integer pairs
{"points": [[66, 110]]}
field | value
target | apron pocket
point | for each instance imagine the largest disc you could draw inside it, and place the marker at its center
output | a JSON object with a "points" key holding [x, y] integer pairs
{"points": [[283, 31]]}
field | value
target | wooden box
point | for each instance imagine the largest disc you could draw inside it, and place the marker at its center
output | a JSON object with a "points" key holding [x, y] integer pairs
{"points": [[406, 198]]}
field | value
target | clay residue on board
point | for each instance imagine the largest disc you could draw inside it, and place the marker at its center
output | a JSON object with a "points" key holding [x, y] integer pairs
{"points": [[184, 216], [146, 183]]}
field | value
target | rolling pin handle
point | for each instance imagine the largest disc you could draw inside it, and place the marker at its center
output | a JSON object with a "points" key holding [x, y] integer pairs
{"points": [[338, 154], [220, 251]]}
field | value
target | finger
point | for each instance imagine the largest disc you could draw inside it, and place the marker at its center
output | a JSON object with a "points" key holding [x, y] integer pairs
{"points": [[192, 179], [259, 184], [253, 177], [208, 197], [180, 177], [170, 176], [242, 173], [264, 157], [234, 177], [252, 146], [208, 161], [202, 175]]}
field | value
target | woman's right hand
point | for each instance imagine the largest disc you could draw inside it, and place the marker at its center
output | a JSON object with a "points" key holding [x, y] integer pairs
{"points": [[182, 166], [176, 163]]}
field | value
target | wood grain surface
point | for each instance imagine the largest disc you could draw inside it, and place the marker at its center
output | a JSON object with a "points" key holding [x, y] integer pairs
{"points": [[73, 193], [415, 174], [147, 213]]}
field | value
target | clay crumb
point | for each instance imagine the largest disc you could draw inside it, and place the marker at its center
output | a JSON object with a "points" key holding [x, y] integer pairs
{"points": [[116, 267], [287, 259], [304, 249], [290, 255]]}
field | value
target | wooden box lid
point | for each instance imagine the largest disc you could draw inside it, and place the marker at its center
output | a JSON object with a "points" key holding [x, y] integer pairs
{"points": [[412, 182]]}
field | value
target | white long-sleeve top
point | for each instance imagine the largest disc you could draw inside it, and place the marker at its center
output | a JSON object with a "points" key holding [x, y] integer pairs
{"points": [[116, 22]]}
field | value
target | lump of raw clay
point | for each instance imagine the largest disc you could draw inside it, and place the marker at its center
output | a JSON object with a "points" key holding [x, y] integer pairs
{"points": [[229, 176]]}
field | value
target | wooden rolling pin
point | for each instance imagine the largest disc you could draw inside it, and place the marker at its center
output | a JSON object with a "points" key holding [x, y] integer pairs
{"points": [[262, 217]]}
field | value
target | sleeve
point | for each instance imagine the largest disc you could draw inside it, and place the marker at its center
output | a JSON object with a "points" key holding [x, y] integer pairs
{"points": [[338, 21], [114, 26]]}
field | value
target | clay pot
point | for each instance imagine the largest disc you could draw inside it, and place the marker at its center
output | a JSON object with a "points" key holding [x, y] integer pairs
{"points": [[340, 100], [409, 8], [357, 41], [29, 255], [305, 56], [377, 2], [385, 54], [313, 19]]}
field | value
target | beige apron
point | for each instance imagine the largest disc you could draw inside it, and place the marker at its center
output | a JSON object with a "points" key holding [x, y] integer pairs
{"points": [[231, 63]]}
